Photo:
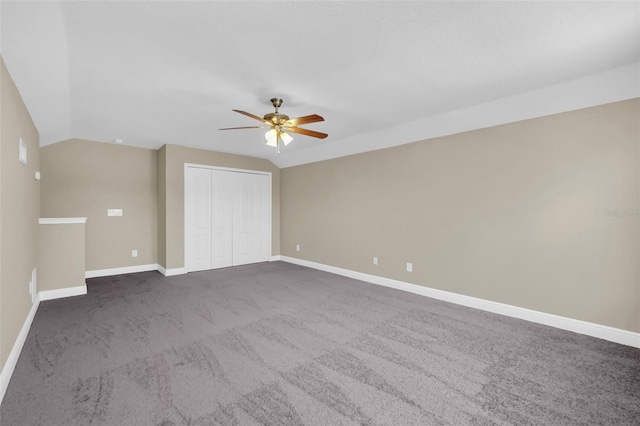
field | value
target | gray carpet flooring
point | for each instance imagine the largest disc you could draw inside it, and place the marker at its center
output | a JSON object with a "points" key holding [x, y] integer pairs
{"points": [[280, 344]]}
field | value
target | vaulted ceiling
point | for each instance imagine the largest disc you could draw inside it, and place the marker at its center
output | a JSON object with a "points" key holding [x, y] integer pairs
{"points": [[381, 73]]}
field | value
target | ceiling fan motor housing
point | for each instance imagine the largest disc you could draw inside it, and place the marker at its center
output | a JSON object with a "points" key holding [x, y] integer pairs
{"points": [[276, 119]]}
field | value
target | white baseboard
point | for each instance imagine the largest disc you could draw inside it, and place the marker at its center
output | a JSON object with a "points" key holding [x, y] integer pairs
{"points": [[612, 334], [172, 271], [12, 360], [133, 269], [123, 270], [63, 292], [275, 258]]}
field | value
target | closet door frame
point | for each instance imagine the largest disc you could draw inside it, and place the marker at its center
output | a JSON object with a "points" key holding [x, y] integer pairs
{"points": [[227, 169]]}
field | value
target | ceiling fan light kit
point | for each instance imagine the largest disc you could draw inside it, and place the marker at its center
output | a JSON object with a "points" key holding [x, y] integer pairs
{"points": [[279, 124]]}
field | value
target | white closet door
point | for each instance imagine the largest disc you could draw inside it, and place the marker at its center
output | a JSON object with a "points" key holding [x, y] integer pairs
{"points": [[251, 219], [227, 217], [198, 219], [222, 218]]}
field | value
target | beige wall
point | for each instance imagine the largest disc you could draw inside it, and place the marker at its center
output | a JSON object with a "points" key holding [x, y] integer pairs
{"points": [[514, 213], [176, 157], [61, 256], [20, 208], [85, 178], [82, 178]]}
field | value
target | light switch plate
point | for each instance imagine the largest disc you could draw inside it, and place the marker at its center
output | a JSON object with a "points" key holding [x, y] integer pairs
{"points": [[23, 152], [114, 212]]}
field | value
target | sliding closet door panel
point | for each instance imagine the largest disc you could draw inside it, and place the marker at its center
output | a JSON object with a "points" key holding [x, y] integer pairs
{"points": [[240, 225], [251, 219], [260, 219], [198, 219], [222, 218]]}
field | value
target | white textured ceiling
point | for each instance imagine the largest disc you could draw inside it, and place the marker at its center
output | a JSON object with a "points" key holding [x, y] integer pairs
{"points": [[171, 72]]}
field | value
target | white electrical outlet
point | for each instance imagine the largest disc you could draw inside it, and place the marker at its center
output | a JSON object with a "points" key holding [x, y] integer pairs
{"points": [[297, 247], [375, 260], [134, 253], [409, 267]]}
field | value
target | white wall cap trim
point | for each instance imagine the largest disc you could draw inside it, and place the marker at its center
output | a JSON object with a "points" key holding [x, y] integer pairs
{"points": [[61, 220]]}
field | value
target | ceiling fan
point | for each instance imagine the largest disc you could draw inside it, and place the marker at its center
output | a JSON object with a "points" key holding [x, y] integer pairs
{"points": [[280, 124]]}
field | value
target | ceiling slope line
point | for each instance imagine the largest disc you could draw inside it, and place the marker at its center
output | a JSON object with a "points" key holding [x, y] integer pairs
{"points": [[613, 85]]}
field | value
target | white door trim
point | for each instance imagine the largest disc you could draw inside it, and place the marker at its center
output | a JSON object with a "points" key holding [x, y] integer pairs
{"points": [[228, 169]]}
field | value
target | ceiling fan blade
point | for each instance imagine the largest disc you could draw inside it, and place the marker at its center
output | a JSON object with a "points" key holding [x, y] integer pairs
{"points": [[246, 127], [307, 132], [314, 118], [248, 114]]}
